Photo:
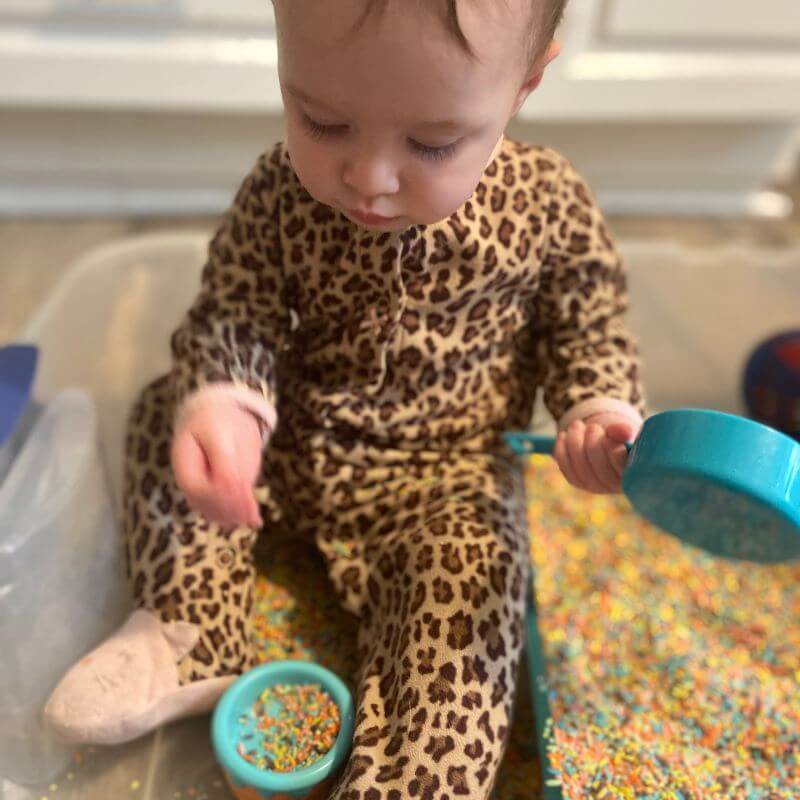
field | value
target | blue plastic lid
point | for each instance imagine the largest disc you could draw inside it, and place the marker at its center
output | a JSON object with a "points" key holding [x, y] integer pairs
{"points": [[17, 370]]}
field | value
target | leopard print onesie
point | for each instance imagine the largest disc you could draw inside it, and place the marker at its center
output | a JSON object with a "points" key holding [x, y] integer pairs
{"points": [[395, 362]]}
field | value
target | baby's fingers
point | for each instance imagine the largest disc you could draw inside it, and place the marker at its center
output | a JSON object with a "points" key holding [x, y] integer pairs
{"points": [[234, 498], [254, 513], [576, 451], [597, 452], [562, 459], [193, 475], [618, 455], [190, 466], [620, 432]]}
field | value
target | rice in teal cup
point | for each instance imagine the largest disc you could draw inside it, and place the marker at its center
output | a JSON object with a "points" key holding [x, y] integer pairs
{"points": [[257, 752]]}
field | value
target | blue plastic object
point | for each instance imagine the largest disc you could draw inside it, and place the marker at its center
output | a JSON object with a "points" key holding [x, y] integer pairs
{"points": [[720, 482], [246, 778], [17, 370]]}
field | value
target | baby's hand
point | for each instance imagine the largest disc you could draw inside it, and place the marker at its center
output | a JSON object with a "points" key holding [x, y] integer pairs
{"points": [[216, 457], [592, 454]]}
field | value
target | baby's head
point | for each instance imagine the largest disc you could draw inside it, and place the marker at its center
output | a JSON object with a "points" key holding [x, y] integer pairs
{"points": [[395, 107]]}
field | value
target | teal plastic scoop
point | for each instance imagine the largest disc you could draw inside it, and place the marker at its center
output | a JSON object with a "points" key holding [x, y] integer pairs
{"points": [[720, 482]]}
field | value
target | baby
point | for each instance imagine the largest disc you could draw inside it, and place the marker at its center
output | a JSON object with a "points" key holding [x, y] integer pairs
{"points": [[387, 293]]}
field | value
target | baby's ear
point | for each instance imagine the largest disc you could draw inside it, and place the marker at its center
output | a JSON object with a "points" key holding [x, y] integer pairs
{"points": [[536, 73]]}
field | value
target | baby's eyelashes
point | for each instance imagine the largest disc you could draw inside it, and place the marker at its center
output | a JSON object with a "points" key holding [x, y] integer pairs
{"points": [[320, 130], [438, 153]]}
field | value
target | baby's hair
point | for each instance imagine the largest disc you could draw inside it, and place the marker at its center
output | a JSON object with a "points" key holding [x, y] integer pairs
{"points": [[538, 39]]}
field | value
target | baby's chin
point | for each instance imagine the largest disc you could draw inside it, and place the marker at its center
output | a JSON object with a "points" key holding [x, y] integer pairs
{"points": [[395, 224], [398, 224]]}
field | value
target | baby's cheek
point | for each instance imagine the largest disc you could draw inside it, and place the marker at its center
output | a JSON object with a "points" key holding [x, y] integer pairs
{"points": [[311, 165], [442, 192]]}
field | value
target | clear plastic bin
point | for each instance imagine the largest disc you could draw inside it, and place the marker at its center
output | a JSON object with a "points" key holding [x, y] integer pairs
{"points": [[137, 291], [62, 580], [105, 328]]}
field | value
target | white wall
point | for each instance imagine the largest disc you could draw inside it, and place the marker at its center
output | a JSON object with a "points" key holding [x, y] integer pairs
{"points": [[141, 106]]}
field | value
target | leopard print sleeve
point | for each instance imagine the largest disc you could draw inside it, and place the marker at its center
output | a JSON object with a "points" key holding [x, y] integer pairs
{"points": [[239, 321], [584, 348]]}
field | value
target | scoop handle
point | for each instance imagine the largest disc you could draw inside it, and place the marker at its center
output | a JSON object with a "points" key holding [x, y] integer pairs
{"points": [[525, 444], [528, 443]]}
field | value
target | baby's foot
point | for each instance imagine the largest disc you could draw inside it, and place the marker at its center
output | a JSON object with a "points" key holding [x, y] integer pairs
{"points": [[129, 685]]}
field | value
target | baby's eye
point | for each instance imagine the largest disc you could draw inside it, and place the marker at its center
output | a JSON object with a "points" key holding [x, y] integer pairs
{"points": [[439, 153], [318, 130]]}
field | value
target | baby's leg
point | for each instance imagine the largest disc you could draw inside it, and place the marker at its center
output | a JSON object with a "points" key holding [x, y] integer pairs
{"points": [[441, 635], [181, 567], [192, 586]]}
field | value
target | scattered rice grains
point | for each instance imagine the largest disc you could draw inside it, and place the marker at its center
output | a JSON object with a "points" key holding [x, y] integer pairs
{"points": [[671, 674]]}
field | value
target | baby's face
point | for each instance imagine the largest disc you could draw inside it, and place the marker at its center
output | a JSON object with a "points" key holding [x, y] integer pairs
{"points": [[394, 124]]}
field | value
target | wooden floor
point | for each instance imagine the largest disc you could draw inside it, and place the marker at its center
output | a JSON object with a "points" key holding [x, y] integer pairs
{"points": [[34, 253]]}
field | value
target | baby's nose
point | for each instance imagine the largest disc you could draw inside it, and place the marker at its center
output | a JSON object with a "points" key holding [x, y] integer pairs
{"points": [[370, 178]]}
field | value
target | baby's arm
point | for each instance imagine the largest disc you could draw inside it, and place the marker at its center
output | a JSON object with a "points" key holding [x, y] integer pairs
{"points": [[224, 356], [590, 361]]}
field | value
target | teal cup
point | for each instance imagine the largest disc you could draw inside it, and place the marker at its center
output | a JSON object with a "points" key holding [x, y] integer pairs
{"points": [[247, 781]]}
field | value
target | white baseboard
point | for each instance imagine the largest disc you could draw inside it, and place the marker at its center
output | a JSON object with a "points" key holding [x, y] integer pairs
{"points": [[93, 163], [141, 202], [82, 201], [753, 205]]}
